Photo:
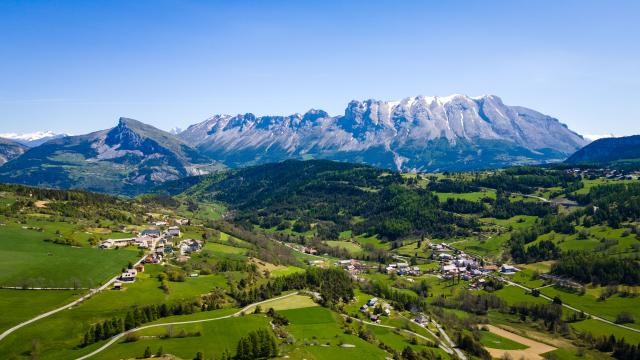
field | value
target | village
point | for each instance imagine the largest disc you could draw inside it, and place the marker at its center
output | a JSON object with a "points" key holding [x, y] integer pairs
{"points": [[159, 242], [604, 173]]}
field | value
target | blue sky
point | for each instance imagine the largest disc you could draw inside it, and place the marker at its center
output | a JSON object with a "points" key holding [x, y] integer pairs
{"points": [[76, 67]]}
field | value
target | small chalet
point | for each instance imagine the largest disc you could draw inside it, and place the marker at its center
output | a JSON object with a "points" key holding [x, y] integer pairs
{"points": [[173, 231], [508, 269]]}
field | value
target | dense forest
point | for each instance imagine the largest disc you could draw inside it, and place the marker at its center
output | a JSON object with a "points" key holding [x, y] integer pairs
{"points": [[335, 196]]}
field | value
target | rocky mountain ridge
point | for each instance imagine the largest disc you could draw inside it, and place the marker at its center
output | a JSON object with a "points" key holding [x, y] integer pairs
{"points": [[415, 133]]}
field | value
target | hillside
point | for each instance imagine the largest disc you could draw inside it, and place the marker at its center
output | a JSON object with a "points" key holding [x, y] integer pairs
{"points": [[126, 159], [418, 244], [10, 149], [423, 133], [608, 151], [333, 197]]}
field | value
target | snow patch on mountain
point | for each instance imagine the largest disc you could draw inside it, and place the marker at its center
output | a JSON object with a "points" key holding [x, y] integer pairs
{"points": [[34, 138]]}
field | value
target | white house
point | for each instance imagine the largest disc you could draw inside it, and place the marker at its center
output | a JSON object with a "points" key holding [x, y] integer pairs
{"points": [[129, 275], [508, 269]]}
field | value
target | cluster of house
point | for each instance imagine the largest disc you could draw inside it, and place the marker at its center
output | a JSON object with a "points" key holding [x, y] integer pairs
{"points": [[352, 266], [402, 269], [141, 242], [189, 246], [611, 174], [374, 308], [467, 267], [146, 239], [318, 262], [308, 250], [166, 221], [153, 258]]}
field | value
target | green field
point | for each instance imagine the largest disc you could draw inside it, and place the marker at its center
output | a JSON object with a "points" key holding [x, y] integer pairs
{"points": [[290, 302], [20, 305], [598, 328], [471, 196], [216, 337], [287, 270], [607, 309], [318, 335], [59, 334], [27, 260], [494, 341], [347, 245]]}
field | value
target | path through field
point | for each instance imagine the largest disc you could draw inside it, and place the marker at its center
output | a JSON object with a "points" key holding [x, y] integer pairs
{"points": [[241, 311], [594, 317], [71, 304], [533, 352]]}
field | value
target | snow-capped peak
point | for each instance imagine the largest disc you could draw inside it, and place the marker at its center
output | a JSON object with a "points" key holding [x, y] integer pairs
{"points": [[34, 138], [29, 136]]}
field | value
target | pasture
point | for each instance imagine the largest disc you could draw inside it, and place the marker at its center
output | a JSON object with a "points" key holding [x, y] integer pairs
{"points": [[318, 335], [58, 336], [215, 337], [20, 305], [27, 260]]}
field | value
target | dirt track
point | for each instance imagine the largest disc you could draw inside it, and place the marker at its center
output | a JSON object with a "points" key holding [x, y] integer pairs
{"points": [[532, 353]]}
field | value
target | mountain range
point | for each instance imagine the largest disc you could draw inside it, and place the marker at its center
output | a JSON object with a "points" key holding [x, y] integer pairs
{"points": [[417, 133], [10, 149], [420, 133], [126, 159]]}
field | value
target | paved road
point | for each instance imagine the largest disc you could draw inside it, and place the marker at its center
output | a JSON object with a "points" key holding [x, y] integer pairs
{"points": [[116, 337], [594, 317], [448, 339], [42, 288], [64, 307], [442, 346]]}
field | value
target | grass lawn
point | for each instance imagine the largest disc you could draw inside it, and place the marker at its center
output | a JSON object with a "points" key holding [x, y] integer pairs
{"points": [[398, 340], [221, 251], [318, 335], [347, 245], [286, 270], [60, 333], [471, 196], [20, 305], [373, 240], [514, 295], [27, 260], [607, 309], [526, 278], [600, 238], [494, 341], [598, 328], [216, 337], [291, 302]]}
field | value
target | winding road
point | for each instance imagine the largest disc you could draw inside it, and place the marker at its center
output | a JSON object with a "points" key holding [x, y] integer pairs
{"points": [[64, 307], [116, 337], [441, 345], [594, 317]]}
